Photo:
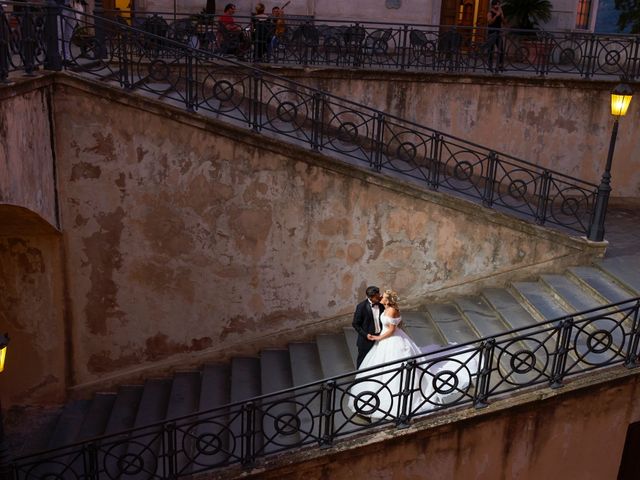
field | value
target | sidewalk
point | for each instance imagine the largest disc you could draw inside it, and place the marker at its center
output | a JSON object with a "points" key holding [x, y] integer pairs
{"points": [[622, 230]]}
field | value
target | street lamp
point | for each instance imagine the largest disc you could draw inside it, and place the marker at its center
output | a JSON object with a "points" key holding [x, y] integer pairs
{"points": [[620, 100], [4, 451]]}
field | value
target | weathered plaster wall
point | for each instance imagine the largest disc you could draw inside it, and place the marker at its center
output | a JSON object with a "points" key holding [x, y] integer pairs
{"points": [[184, 235], [26, 162], [561, 124], [576, 435], [31, 310]]}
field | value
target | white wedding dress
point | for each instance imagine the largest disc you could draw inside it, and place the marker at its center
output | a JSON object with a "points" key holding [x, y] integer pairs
{"points": [[377, 393]]}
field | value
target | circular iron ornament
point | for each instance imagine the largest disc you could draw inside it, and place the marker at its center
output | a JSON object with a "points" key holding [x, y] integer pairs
{"points": [[287, 424], [223, 90], [406, 152], [208, 441], [445, 382], [463, 170], [569, 205], [347, 132], [599, 341], [366, 403], [613, 57], [52, 470], [287, 112], [354, 123], [517, 189], [128, 463], [158, 70], [523, 361]]}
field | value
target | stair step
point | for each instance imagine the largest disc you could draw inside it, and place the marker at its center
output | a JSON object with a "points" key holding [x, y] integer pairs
{"points": [[351, 337], [335, 358], [245, 378], [277, 419], [154, 401], [574, 296], [600, 282], [452, 326], [124, 410], [215, 388], [69, 422], [509, 308], [482, 317], [421, 329], [625, 269], [305, 363], [184, 395], [95, 421], [540, 299]]}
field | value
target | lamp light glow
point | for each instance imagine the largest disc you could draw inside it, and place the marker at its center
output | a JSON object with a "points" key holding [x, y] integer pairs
{"points": [[620, 100], [4, 343]]}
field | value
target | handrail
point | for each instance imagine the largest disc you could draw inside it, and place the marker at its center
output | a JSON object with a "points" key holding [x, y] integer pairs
{"points": [[472, 373], [263, 101]]}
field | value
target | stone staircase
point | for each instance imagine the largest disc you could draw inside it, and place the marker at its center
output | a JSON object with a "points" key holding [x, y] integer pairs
{"points": [[490, 312]]}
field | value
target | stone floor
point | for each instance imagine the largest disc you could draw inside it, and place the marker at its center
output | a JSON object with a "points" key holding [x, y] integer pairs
{"points": [[622, 230]]}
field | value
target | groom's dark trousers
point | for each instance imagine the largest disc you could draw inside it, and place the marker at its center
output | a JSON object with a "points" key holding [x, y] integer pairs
{"points": [[364, 323]]}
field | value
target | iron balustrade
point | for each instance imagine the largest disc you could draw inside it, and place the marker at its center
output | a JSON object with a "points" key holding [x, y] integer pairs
{"points": [[361, 44], [323, 412], [222, 88]]}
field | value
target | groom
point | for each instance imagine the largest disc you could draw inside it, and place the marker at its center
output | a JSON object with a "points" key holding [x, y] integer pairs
{"points": [[366, 321]]}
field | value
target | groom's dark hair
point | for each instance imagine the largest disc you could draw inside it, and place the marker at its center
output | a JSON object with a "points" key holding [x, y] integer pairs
{"points": [[371, 291]]}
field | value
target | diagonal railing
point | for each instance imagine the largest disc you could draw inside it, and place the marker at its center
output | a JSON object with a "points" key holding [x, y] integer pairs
{"points": [[197, 80], [352, 44], [323, 412]]}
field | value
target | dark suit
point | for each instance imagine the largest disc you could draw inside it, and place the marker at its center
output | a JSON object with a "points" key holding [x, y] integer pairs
{"points": [[364, 323]]}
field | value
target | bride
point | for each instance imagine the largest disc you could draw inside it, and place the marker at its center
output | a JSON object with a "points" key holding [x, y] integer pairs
{"points": [[376, 393]]}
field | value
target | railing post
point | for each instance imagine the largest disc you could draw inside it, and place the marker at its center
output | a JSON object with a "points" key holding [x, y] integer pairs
{"points": [[376, 163], [483, 377], [256, 104], [27, 44], [248, 433], [635, 58], [563, 341], [403, 47], [327, 401], [543, 197], [408, 369], [101, 34], [123, 59], [317, 120], [190, 81], [53, 59], [632, 357], [489, 185], [170, 457], [436, 161], [4, 46], [591, 56], [91, 465]]}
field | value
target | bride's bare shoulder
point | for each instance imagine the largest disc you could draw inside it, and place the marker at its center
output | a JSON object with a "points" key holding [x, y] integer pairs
{"points": [[392, 312]]}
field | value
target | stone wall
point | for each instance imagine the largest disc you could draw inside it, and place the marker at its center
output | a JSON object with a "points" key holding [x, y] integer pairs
{"points": [[575, 434], [564, 125], [186, 236]]}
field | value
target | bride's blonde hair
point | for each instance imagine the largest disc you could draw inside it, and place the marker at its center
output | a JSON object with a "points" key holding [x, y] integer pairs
{"points": [[392, 295]]}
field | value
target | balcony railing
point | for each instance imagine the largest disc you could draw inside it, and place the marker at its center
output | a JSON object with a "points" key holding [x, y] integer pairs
{"points": [[216, 86], [323, 412]]}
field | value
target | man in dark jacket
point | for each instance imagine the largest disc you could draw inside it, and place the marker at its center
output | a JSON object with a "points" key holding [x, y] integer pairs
{"points": [[366, 321]]}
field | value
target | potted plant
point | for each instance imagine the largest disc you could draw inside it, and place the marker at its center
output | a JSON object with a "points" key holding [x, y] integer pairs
{"points": [[526, 15]]}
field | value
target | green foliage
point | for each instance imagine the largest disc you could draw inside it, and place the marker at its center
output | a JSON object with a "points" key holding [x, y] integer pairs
{"points": [[527, 14], [629, 15]]}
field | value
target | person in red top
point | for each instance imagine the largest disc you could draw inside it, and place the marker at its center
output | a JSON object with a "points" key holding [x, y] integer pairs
{"points": [[231, 38], [227, 20]]}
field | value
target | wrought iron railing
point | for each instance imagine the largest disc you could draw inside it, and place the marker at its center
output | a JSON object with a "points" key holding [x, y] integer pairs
{"points": [[383, 45], [222, 88], [323, 412]]}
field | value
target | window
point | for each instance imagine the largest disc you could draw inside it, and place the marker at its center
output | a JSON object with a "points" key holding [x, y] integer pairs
{"points": [[584, 14]]}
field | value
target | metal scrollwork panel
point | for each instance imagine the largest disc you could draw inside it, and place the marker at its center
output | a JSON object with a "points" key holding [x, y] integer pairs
{"points": [[463, 169], [407, 151]]}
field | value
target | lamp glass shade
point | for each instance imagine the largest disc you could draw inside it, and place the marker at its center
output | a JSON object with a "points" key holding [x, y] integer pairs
{"points": [[620, 100], [3, 355]]}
